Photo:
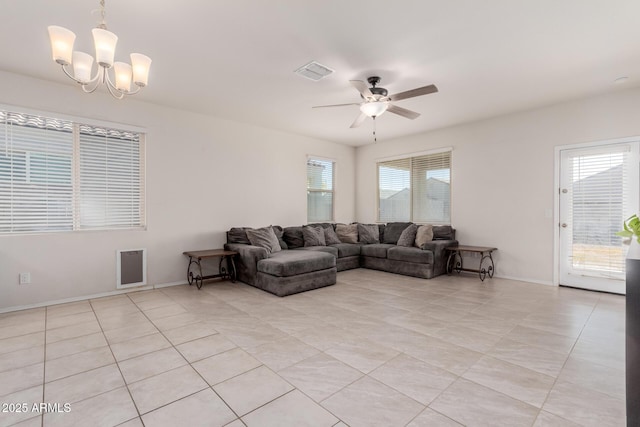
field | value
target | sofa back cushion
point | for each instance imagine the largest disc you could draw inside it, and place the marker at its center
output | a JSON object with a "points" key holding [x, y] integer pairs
{"points": [[313, 236], [368, 233], [408, 236], [347, 233], [330, 237], [279, 234], [293, 237], [393, 230], [265, 238], [238, 235], [443, 232]]}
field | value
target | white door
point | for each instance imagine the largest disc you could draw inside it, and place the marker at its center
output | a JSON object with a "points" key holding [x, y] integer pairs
{"points": [[598, 190]]}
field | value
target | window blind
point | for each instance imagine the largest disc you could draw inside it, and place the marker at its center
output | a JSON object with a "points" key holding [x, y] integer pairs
{"points": [[415, 189], [394, 190], [599, 182], [320, 177], [36, 187], [110, 179], [431, 188], [59, 176]]}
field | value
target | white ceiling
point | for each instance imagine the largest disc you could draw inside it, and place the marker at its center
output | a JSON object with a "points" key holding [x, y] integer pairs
{"points": [[235, 58]]}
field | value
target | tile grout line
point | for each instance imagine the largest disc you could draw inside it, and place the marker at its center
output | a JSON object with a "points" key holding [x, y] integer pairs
{"points": [[116, 363], [185, 359]]}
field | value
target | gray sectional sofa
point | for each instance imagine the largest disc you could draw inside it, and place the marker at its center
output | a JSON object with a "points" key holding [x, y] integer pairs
{"points": [[297, 268]]}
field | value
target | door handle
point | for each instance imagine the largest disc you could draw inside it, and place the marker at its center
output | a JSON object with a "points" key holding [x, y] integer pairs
{"points": [[564, 225]]}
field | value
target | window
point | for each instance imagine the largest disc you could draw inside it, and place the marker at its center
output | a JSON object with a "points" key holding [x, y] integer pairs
{"points": [[56, 175], [415, 189], [319, 190]]}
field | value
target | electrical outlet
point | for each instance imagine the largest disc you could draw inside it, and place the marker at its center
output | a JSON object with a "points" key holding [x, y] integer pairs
{"points": [[25, 278]]}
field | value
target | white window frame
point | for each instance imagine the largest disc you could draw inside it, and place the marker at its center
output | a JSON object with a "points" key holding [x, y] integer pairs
{"points": [[77, 121], [333, 186]]}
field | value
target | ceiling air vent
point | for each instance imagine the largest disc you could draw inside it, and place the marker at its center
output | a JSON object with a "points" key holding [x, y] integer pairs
{"points": [[314, 71]]}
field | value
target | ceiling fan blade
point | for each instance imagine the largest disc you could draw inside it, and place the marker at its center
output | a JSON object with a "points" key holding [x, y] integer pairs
{"points": [[402, 112], [359, 120], [336, 105], [425, 90], [362, 88]]}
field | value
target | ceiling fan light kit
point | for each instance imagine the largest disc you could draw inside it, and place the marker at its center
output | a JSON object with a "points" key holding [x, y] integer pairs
{"points": [[62, 41], [376, 100]]}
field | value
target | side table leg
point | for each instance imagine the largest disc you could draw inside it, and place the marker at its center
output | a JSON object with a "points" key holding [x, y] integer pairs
{"points": [[198, 278], [232, 269]]}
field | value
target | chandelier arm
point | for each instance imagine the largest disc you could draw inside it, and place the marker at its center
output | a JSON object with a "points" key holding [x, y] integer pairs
{"points": [[115, 92]]}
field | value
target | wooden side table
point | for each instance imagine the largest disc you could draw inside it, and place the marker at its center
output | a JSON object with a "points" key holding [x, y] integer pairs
{"points": [[486, 267], [195, 258]]}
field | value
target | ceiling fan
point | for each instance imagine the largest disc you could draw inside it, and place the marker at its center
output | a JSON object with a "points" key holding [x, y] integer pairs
{"points": [[376, 101]]}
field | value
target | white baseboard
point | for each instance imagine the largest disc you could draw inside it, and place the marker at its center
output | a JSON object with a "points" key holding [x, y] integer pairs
{"points": [[523, 279], [87, 297]]}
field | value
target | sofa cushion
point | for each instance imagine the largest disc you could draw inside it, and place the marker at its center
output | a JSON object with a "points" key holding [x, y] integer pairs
{"points": [[293, 237], [327, 249], [424, 235], [417, 255], [313, 236], [238, 235], [330, 237], [408, 236], [347, 233], [393, 230], [376, 250], [443, 232], [279, 234], [368, 233], [381, 232], [347, 249], [264, 238], [291, 263]]}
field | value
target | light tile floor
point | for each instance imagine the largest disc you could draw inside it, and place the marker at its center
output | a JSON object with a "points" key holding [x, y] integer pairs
{"points": [[376, 349]]}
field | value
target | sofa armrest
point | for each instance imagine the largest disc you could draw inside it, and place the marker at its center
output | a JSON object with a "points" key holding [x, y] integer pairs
{"points": [[247, 260], [438, 247]]}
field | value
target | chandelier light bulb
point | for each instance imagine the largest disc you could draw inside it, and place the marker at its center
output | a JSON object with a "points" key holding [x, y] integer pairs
{"points": [[61, 44], [82, 66], [140, 64], [123, 76], [105, 42]]}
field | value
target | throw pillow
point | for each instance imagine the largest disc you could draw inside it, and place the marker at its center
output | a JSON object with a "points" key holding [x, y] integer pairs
{"points": [[408, 236], [293, 237], [279, 234], [313, 236], [347, 233], [424, 235], [330, 237], [368, 233], [238, 235], [393, 230], [265, 238]]}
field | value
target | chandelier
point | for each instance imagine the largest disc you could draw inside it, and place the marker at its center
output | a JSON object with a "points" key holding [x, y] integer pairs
{"points": [[82, 63]]}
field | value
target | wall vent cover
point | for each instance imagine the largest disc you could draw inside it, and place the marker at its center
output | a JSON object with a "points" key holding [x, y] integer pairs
{"points": [[314, 71], [131, 268]]}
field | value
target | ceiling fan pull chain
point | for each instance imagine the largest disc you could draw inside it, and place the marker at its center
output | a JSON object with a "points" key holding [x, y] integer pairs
{"points": [[375, 138]]}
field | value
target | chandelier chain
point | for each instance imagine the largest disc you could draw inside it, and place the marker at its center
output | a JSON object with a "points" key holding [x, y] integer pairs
{"points": [[103, 14]]}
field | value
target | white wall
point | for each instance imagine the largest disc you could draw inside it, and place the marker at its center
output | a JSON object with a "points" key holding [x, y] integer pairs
{"points": [[502, 174], [204, 175]]}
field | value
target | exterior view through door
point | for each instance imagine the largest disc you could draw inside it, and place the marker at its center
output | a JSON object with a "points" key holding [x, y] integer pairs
{"points": [[598, 191]]}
